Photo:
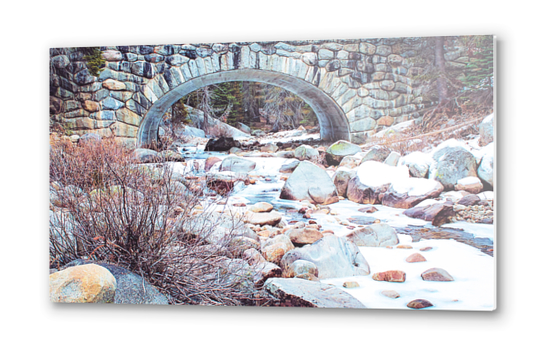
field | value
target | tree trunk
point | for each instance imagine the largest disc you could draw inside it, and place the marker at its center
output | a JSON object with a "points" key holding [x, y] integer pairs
{"points": [[440, 63]]}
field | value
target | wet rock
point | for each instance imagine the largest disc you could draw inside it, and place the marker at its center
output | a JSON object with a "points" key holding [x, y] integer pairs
{"points": [[419, 304], [390, 276], [340, 149], [82, 284], [310, 182], [415, 258], [334, 257], [237, 164], [304, 293], [222, 144], [438, 213], [436, 274], [408, 192], [376, 235]]}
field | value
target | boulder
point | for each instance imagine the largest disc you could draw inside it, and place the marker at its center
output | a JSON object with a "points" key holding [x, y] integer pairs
{"points": [[301, 267], [486, 130], [299, 292], [376, 153], [285, 154], [131, 287], [305, 152], [237, 164], [469, 200], [392, 159], [221, 144], [351, 161], [221, 182], [437, 274], [408, 192], [188, 131], [261, 207], [337, 151], [262, 218], [418, 163], [82, 284], [375, 235], [210, 162], [304, 236], [269, 148], [438, 213], [372, 180], [469, 184], [485, 170], [333, 256], [310, 182], [273, 250], [452, 163], [243, 127], [290, 166], [144, 155], [341, 178]]}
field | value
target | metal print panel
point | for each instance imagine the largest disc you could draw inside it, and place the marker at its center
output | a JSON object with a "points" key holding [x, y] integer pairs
{"points": [[348, 173]]}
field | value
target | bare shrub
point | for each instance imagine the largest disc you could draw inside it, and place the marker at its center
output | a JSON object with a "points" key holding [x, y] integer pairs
{"points": [[106, 208]]}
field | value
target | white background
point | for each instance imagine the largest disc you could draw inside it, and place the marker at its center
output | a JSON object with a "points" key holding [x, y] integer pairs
{"points": [[29, 29]]}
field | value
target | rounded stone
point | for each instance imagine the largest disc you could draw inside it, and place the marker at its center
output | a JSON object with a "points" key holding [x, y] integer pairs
{"points": [[82, 284], [419, 304]]}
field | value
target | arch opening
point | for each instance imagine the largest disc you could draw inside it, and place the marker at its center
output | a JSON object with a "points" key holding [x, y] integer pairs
{"points": [[333, 122]]}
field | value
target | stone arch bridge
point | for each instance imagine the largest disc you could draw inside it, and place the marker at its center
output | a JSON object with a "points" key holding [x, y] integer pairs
{"points": [[355, 87]]}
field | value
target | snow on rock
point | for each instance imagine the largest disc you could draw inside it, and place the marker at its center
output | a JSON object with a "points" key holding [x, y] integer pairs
{"points": [[408, 192], [418, 163]]}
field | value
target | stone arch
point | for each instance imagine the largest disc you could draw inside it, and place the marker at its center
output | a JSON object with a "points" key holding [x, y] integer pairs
{"points": [[333, 121]]}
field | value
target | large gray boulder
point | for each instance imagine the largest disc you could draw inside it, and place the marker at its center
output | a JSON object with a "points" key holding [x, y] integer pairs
{"points": [[485, 170], [237, 164], [310, 182], [341, 178], [333, 256], [305, 152], [376, 153], [376, 235], [299, 292], [452, 163], [337, 151]]}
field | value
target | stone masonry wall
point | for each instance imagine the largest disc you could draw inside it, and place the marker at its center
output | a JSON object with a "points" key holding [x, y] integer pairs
{"points": [[370, 79]]}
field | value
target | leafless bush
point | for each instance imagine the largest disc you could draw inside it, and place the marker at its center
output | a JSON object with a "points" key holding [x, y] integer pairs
{"points": [[106, 208]]}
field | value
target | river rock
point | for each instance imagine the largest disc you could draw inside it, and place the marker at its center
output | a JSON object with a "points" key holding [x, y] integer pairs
{"points": [[486, 130], [274, 249], [333, 256], [299, 292], [341, 178], [392, 294], [131, 287], [392, 159], [221, 182], [269, 148], [470, 184], [304, 236], [419, 304], [191, 132], [261, 207], [337, 151], [390, 276], [82, 284], [290, 166], [243, 127], [485, 170], [437, 274], [418, 163], [408, 192], [221, 144], [375, 235], [301, 267], [285, 154], [263, 218], [310, 182], [415, 258], [438, 213], [452, 163], [376, 153], [237, 164], [372, 180], [305, 152], [351, 161]]}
